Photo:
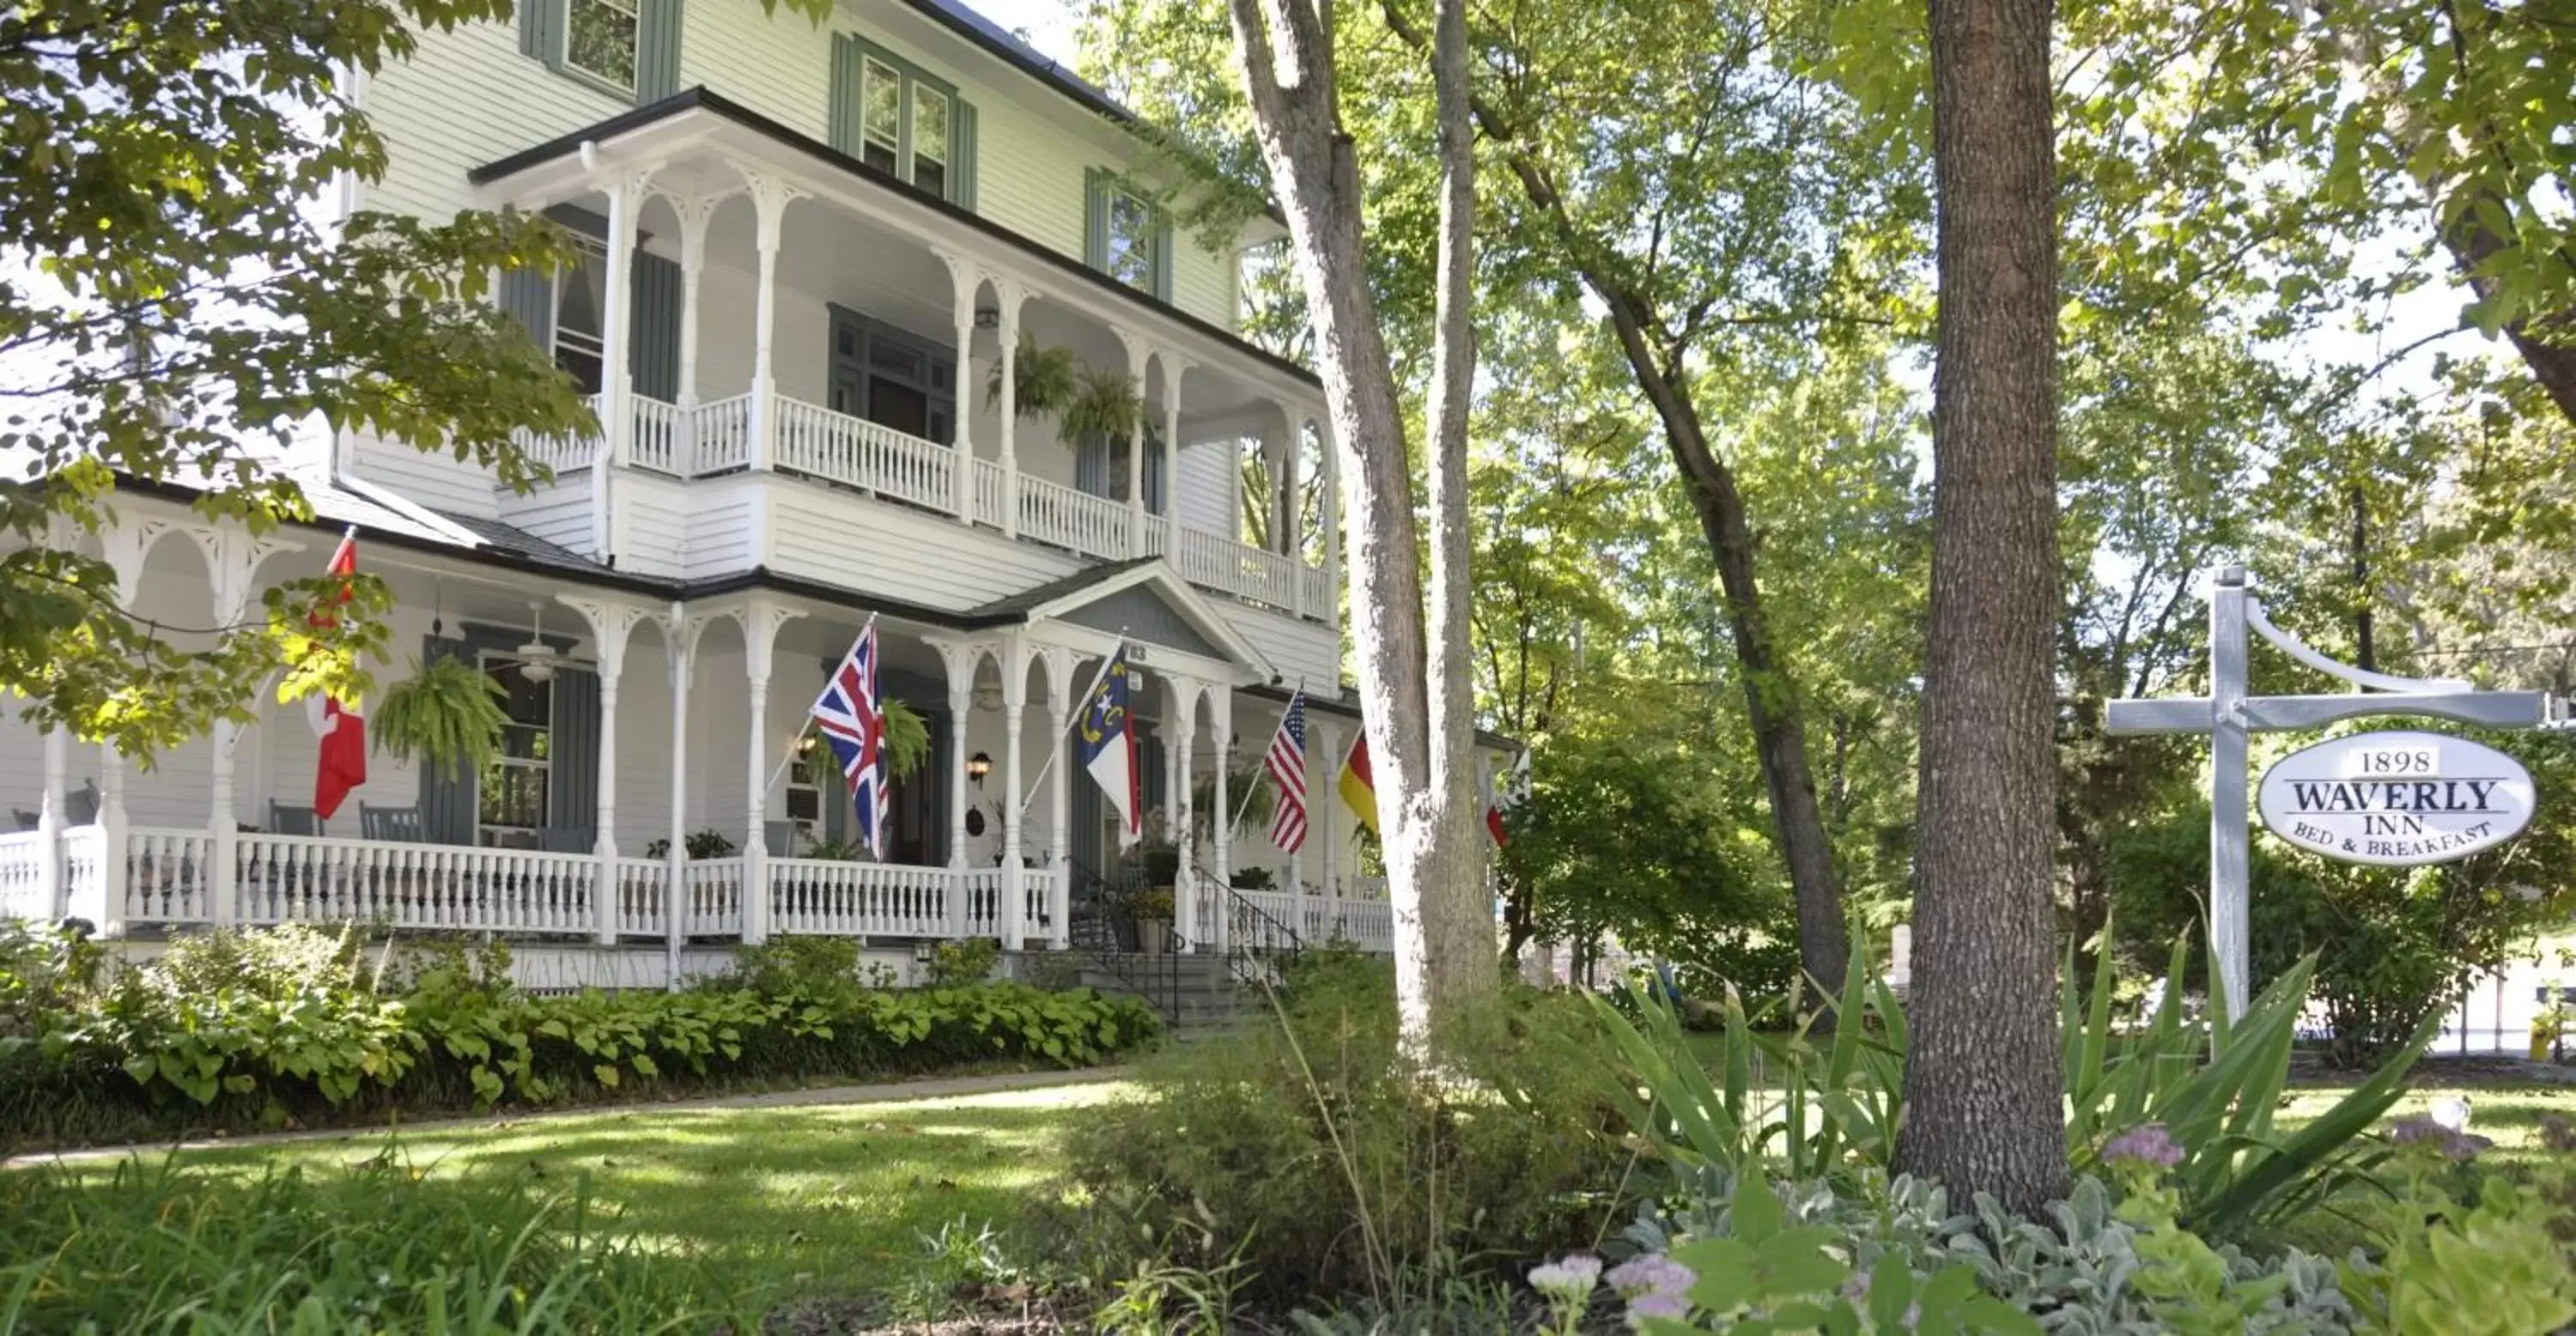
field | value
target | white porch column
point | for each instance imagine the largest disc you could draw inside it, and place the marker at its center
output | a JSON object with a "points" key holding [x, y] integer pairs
{"points": [[1136, 355], [1324, 812], [616, 384], [1332, 517], [1182, 726], [1221, 821], [612, 626], [49, 820], [760, 622], [964, 281], [232, 557], [960, 661], [102, 902], [696, 212], [680, 641], [1173, 366], [1010, 294], [770, 197], [1015, 699], [1059, 666]]}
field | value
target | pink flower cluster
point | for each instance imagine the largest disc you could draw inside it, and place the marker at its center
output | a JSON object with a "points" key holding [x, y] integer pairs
{"points": [[1654, 1286]]}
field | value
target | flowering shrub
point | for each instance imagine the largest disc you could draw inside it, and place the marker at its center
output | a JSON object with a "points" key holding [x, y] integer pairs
{"points": [[2480, 1255]]}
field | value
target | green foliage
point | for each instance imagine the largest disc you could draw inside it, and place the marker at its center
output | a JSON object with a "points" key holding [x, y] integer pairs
{"points": [[447, 714], [1843, 1096], [968, 962], [2462, 1251], [1105, 402], [1622, 837], [907, 739], [1043, 380], [272, 1026], [708, 843], [154, 1247], [1346, 1170]]}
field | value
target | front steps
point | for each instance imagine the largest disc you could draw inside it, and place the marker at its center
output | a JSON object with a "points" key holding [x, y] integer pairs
{"points": [[1198, 986]]}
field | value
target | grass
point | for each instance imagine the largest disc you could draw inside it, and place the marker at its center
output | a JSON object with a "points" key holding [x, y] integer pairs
{"points": [[800, 1200], [2507, 1113]]}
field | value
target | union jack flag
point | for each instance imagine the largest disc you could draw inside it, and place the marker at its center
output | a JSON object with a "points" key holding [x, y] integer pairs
{"points": [[851, 718], [1286, 763]]}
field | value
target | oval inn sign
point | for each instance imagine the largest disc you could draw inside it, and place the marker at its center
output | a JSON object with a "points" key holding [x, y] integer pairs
{"points": [[2397, 799]]}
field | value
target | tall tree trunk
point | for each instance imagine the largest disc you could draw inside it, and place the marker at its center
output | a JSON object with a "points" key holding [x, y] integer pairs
{"points": [[1285, 49], [1982, 1072]]}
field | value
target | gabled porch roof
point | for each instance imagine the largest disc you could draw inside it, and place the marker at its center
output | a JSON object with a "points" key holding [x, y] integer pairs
{"points": [[1142, 598]]}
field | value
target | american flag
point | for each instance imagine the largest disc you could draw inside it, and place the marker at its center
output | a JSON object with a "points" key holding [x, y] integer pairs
{"points": [[1287, 765], [851, 719]]}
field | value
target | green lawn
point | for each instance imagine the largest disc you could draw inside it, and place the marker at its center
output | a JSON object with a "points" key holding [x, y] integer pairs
{"points": [[810, 1199], [2507, 1114]]}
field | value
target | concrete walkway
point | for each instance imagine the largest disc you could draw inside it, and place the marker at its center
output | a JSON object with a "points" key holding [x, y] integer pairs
{"points": [[888, 1092]]}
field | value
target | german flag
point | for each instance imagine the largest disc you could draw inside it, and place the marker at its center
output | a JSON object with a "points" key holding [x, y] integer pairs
{"points": [[1358, 787]]}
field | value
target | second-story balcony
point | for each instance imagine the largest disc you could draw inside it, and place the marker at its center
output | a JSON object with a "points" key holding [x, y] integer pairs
{"points": [[800, 366]]}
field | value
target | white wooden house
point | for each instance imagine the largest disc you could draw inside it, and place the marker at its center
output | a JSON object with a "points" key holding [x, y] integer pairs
{"points": [[813, 244]]}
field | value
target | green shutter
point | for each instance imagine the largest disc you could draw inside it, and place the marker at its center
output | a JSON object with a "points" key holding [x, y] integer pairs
{"points": [[843, 129], [528, 296], [1095, 218], [657, 50], [572, 784], [1162, 256], [653, 343], [446, 800], [961, 153], [541, 30]]}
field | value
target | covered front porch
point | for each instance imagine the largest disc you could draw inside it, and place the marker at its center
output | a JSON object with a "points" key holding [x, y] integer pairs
{"points": [[659, 786]]}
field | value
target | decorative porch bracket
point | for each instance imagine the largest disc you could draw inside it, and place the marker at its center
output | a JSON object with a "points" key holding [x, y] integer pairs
{"points": [[2230, 715]]}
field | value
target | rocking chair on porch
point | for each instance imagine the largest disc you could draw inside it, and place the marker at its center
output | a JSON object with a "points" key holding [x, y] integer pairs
{"points": [[398, 824]]}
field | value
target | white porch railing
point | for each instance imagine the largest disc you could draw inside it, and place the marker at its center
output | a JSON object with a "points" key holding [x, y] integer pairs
{"points": [[559, 453], [661, 436], [1237, 568], [983, 890], [169, 876], [1366, 924], [844, 899], [992, 494], [643, 897], [712, 905], [1316, 593], [860, 453], [23, 890], [305, 878], [720, 435], [1092, 525]]}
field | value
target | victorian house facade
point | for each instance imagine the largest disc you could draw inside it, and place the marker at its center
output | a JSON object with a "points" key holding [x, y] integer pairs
{"points": [[809, 251]]}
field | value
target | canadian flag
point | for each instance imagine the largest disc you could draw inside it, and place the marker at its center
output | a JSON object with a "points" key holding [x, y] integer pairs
{"points": [[341, 762], [1501, 798]]}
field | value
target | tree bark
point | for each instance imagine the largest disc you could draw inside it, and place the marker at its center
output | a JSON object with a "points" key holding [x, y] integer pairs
{"points": [[1982, 1072], [1285, 49]]}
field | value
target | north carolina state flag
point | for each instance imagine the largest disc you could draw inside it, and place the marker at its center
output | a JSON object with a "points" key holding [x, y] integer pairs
{"points": [[340, 764]]}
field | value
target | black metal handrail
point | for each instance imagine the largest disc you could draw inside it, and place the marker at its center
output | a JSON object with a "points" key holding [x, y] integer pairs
{"points": [[1258, 947], [1104, 924]]}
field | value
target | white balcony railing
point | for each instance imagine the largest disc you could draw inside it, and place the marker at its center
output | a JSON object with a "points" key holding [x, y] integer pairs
{"points": [[1092, 525], [309, 878], [716, 437], [660, 438], [23, 889], [720, 435], [842, 899], [864, 454]]}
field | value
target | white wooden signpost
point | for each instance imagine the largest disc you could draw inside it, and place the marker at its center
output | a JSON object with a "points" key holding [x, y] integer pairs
{"points": [[2389, 798]]}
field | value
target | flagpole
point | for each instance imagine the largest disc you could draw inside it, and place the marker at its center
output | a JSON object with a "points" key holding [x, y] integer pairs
{"points": [[1081, 702], [808, 722]]}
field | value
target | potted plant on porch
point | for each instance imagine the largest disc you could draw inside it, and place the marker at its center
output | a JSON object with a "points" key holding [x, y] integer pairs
{"points": [[447, 715], [1153, 910]]}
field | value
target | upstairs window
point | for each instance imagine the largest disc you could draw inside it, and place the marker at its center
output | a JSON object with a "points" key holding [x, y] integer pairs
{"points": [[901, 121], [1127, 237], [600, 40], [581, 316]]}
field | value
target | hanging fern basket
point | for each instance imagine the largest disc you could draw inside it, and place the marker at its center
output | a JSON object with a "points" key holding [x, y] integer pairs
{"points": [[446, 715]]}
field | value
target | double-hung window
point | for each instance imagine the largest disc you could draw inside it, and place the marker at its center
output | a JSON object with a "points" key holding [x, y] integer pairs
{"points": [[600, 38], [510, 799], [1126, 237], [899, 120], [629, 49]]}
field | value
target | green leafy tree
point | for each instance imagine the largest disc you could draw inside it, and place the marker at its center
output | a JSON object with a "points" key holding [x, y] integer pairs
{"points": [[180, 310]]}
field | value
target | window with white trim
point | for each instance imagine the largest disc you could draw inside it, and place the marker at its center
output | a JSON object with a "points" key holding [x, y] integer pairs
{"points": [[600, 38], [902, 121], [881, 115], [805, 781], [931, 110], [1134, 233], [511, 794]]}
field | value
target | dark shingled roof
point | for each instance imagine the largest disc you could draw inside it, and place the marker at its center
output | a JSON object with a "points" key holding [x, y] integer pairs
{"points": [[1018, 606]]}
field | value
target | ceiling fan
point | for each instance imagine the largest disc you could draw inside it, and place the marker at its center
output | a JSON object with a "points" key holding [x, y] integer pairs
{"points": [[537, 659]]}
